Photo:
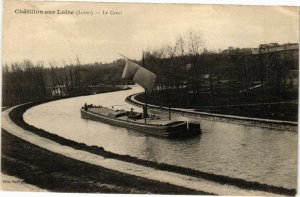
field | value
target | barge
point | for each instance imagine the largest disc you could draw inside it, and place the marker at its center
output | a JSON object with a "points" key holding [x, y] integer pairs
{"points": [[141, 122], [152, 125]]}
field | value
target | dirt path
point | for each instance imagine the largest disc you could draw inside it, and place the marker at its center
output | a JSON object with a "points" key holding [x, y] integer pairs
{"points": [[38, 170]]}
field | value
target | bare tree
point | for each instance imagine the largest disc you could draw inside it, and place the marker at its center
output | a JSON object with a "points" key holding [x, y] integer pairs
{"points": [[194, 46], [55, 79], [77, 75]]}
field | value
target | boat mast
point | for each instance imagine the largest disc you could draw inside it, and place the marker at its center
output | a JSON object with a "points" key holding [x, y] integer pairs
{"points": [[150, 79], [145, 94]]}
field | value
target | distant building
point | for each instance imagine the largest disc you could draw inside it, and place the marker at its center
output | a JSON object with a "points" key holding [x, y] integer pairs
{"points": [[59, 90], [232, 50], [275, 47], [263, 48]]}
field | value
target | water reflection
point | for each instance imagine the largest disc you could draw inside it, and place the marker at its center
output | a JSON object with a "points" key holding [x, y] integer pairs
{"points": [[234, 150]]}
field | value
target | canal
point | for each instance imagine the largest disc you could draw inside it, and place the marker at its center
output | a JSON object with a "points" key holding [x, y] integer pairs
{"points": [[251, 153]]}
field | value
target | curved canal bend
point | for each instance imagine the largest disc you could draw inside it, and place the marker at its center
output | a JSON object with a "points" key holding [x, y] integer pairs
{"points": [[250, 153]]}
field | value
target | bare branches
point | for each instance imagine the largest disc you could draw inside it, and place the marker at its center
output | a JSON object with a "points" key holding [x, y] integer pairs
{"points": [[195, 43], [23, 82]]}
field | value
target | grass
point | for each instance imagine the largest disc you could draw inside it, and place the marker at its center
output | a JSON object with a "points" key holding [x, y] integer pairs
{"points": [[241, 105], [58, 173]]}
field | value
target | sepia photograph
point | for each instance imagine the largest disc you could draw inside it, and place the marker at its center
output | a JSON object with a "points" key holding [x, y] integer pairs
{"points": [[149, 98]]}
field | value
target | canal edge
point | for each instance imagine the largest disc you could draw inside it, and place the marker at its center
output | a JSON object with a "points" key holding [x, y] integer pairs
{"points": [[246, 121], [223, 180]]}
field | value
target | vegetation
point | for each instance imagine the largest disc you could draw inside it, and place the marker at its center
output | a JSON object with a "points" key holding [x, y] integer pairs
{"points": [[230, 82], [26, 81], [58, 173], [238, 82]]}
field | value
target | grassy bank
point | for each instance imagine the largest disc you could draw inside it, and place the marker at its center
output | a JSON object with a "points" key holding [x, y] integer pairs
{"points": [[58, 173], [17, 116], [242, 105]]}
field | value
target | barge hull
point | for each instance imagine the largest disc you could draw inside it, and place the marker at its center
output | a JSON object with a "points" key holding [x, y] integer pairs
{"points": [[179, 130]]}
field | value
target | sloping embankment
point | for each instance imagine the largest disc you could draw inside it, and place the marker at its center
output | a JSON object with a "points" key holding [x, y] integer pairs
{"points": [[257, 122], [58, 173]]}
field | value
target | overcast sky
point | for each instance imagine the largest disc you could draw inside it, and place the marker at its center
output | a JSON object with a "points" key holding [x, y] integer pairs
{"points": [[98, 38]]}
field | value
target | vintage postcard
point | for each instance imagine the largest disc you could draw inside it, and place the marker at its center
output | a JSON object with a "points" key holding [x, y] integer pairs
{"points": [[144, 98]]}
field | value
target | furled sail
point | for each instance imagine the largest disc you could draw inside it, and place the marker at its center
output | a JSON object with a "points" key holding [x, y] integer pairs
{"points": [[139, 75]]}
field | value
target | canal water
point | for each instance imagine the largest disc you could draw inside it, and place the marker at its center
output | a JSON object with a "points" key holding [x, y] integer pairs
{"points": [[250, 153]]}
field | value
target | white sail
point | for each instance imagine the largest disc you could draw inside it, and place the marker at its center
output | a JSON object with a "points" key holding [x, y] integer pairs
{"points": [[130, 70], [139, 75]]}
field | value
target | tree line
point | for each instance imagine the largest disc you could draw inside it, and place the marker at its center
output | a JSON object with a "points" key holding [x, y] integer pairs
{"points": [[188, 76], [191, 76], [27, 81]]}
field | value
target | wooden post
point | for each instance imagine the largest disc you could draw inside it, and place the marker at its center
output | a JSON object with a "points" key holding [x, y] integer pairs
{"points": [[145, 110], [146, 106]]}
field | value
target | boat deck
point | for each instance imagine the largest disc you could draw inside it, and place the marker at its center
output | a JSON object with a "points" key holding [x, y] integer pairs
{"points": [[150, 120]]}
